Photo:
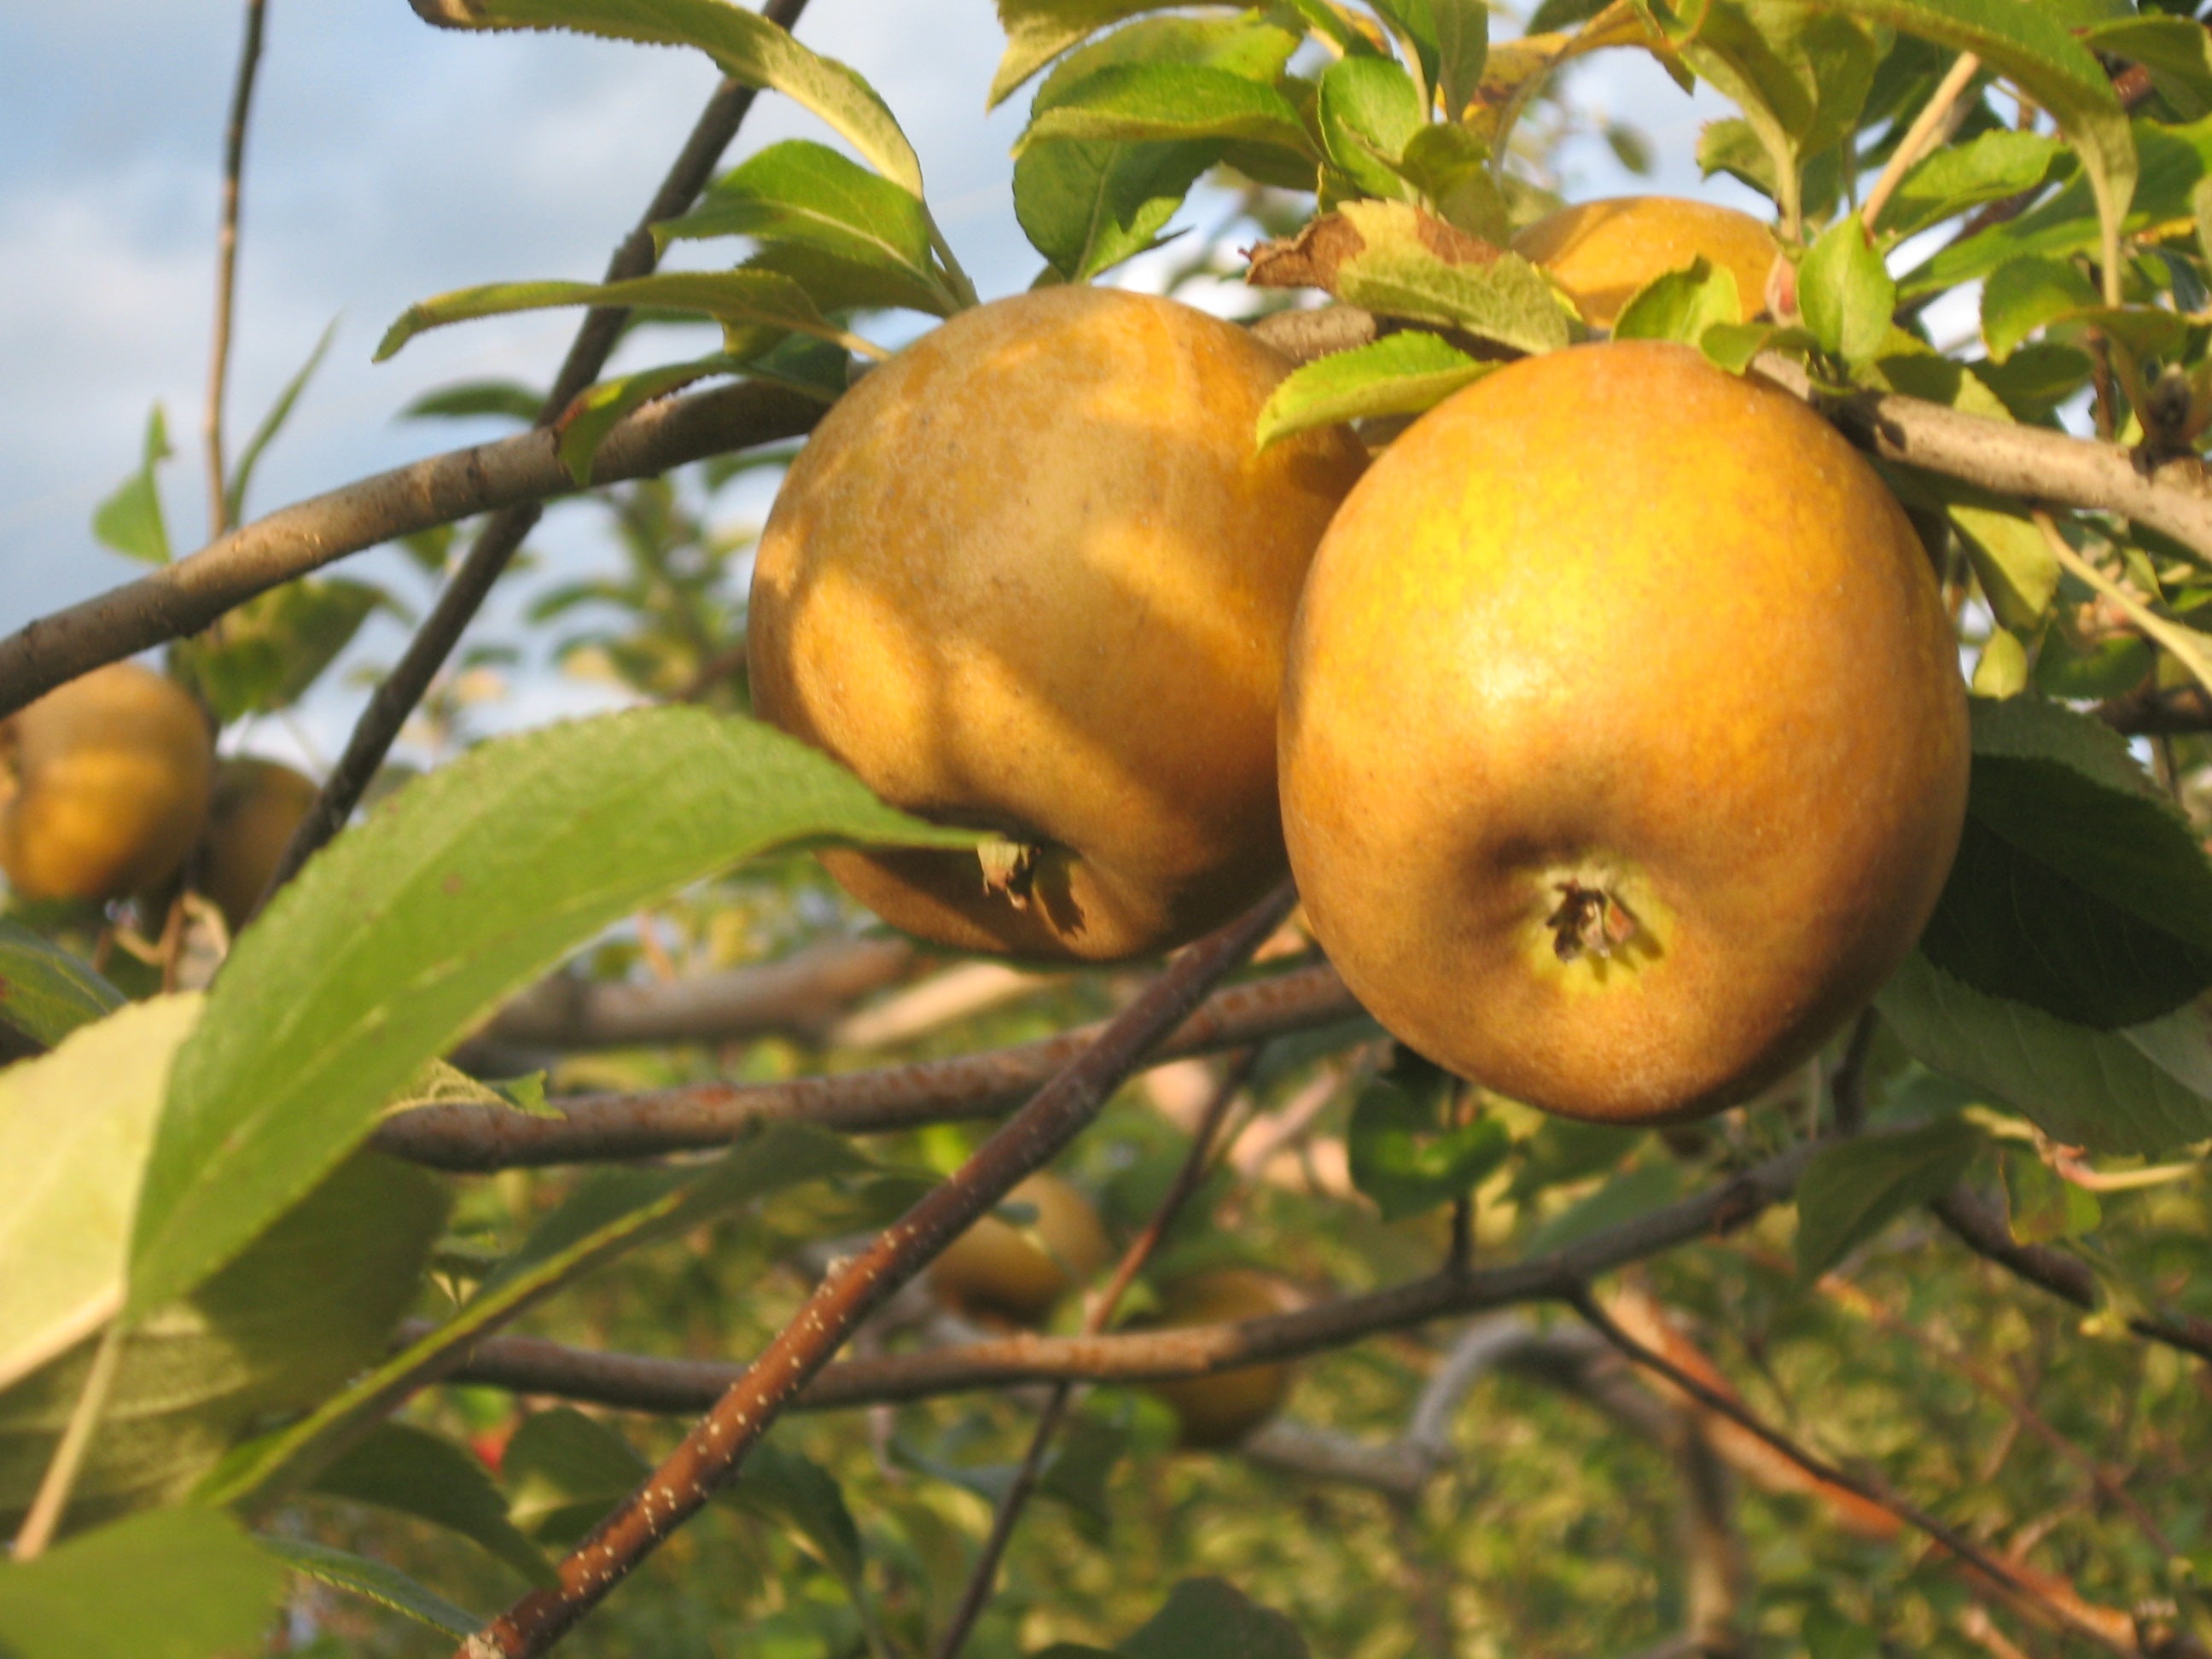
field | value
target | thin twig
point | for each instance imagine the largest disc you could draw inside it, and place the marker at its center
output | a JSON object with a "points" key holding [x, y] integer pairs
{"points": [[1922, 135], [179, 598], [595, 1128], [226, 278], [983, 1577], [1996, 1572], [464, 591], [711, 1454], [637, 1383], [1982, 1230], [51, 1501]]}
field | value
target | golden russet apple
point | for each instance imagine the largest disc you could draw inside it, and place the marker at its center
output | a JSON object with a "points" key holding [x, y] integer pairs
{"points": [[103, 786], [1601, 253], [1016, 1273], [257, 805], [1031, 576], [1221, 1408], [1624, 743]]}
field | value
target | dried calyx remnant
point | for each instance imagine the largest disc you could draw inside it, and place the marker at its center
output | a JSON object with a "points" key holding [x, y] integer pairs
{"points": [[1009, 867], [1589, 921]]}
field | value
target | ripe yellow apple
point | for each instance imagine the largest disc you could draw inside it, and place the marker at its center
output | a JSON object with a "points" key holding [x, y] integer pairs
{"points": [[1017, 1273], [257, 805], [1624, 743], [1031, 576], [103, 786], [1601, 253], [1221, 1408]]}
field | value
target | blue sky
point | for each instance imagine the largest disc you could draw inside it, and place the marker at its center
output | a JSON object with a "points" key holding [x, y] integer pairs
{"points": [[389, 160]]}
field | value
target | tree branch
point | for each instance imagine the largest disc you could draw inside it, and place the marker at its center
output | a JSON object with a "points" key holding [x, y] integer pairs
{"points": [[182, 598], [597, 1128], [2028, 462], [464, 591], [636, 1382], [1983, 1231], [983, 1577], [712, 1452], [2000, 1576], [805, 995], [225, 264]]}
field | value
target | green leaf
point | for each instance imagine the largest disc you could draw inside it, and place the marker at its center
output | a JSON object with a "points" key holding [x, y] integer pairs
{"points": [[2025, 44], [2040, 1205], [563, 1470], [411, 1471], [373, 1581], [45, 992], [794, 1492], [611, 1212], [2092, 670], [75, 1126], [1080, 1475], [2022, 295], [1450, 166], [272, 648], [1846, 293], [2078, 889], [1169, 101], [1732, 346], [1402, 373], [1241, 45], [1039, 31], [2145, 1089], [2001, 670], [271, 1335], [1412, 27], [1406, 1160], [241, 475], [177, 1584], [1961, 177], [1210, 1619], [131, 521], [1462, 47], [1680, 304], [467, 400], [1087, 206], [2011, 559], [1393, 259], [751, 295], [745, 45], [465, 886], [1368, 109], [2173, 160], [1852, 1190], [597, 409], [801, 191], [1630, 1193], [2036, 379]]}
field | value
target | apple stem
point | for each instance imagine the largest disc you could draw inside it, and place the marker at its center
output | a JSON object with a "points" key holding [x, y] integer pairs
{"points": [[1589, 921]]}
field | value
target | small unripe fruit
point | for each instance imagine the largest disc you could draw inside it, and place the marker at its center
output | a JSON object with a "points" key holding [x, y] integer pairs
{"points": [[1624, 746], [1601, 253], [257, 805], [1016, 1273], [1221, 1408], [1032, 576], [103, 786]]}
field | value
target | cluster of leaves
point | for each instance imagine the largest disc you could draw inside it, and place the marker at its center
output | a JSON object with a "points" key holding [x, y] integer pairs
{"points": [[204, 1272]]}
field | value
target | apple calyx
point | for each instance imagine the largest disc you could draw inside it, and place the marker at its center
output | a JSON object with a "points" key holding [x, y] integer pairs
{"points": [[1588, 922], [1010, 869]]}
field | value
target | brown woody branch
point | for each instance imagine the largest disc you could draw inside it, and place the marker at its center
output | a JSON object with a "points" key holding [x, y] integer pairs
{"points": [[2022, 1588], [711, 1454], [636, 1382], [1983, 1231], [596, 1127], [182, 598], [804, 995]]}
